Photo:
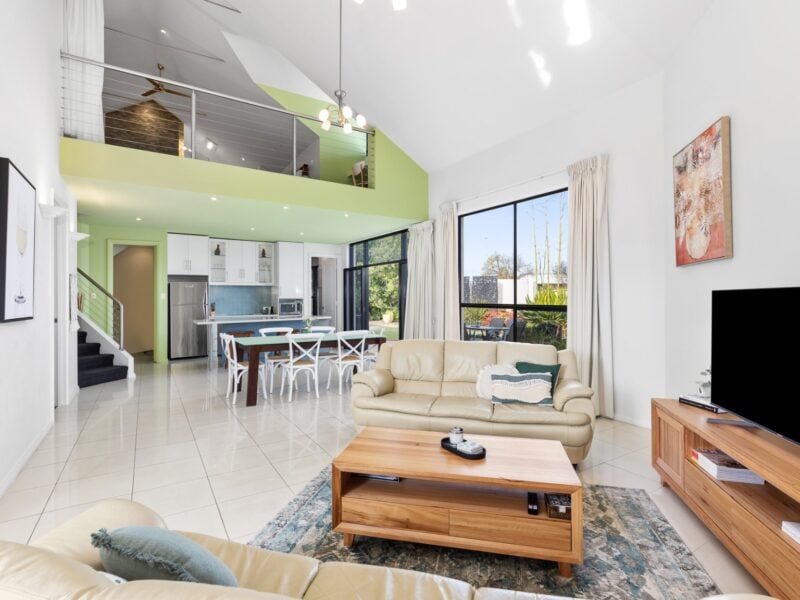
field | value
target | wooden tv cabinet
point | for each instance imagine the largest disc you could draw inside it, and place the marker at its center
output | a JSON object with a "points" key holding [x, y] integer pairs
{"points": [[746, 518]]}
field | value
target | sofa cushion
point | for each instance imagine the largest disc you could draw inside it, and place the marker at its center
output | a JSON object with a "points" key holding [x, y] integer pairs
{"points": [[259, 569], [513, 352], [345, 581], [72, 538], [30, 572], [464, 360], [467, 407], [418, 360], [458, 388], [412, 404], [141, 552], [483, 386], [537, 415], [409, 386], [527, 388]]}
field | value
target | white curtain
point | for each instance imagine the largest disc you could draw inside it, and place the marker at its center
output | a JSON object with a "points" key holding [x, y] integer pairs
{"points": [[419, 314], [448, 323], [589, 298], [83, 84]]}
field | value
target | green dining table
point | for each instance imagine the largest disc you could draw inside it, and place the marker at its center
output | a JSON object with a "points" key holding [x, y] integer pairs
{"points": [[254, 346]]}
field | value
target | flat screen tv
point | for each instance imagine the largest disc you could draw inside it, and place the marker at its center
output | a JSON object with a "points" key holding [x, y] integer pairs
{"points": [[755, 356]]}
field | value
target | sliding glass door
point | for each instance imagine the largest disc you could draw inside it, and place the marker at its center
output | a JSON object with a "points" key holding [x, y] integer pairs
{"points": [[375, 286]]}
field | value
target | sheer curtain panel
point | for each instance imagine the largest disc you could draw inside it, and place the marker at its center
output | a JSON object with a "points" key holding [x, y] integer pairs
{"points": [[83, 84], [589, 297], [448, 323], [419, 314]]}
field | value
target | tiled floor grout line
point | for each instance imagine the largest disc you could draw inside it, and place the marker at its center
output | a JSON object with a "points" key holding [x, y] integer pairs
{"points": [[203, 463], [61, 472]]}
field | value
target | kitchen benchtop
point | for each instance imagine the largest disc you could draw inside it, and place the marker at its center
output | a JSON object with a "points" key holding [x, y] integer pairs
{"points": [[258, 318]]}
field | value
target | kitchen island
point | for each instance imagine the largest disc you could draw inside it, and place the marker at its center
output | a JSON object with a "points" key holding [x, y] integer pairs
{"points": [[226, 323]]}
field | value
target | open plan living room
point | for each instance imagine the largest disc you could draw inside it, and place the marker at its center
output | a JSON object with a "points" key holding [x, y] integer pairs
{"points": [[399, 299]]}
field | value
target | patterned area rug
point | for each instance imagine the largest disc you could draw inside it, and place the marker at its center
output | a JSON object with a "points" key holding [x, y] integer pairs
{"points": [[631, 550]]}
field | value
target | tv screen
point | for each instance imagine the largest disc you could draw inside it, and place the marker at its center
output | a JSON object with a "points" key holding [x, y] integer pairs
{"points": [[755, 356]]}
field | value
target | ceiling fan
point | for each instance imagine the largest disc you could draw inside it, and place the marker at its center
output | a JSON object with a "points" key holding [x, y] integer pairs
{"points": [[160, 87]]}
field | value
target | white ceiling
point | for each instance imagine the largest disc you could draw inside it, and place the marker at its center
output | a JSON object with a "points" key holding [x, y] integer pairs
{"points": [[445, 79]]}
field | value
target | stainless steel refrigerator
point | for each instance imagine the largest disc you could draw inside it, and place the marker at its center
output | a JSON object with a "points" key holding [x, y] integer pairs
{"points": [[188, 302]]}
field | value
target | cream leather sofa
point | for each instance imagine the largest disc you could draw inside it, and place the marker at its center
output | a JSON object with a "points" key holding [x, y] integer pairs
{"points": [[430, 385], [63, 564]]}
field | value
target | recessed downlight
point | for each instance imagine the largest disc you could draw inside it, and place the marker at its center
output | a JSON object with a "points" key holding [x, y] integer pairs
{"points": [[301, 233], [138, 218], [252, 229], [213, 198], [346, 215], [285, 208], [163, 32], [243, 159]]}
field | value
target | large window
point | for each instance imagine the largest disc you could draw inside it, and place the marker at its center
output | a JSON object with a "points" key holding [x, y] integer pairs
{"points": [[514, 271], [375, 285]]}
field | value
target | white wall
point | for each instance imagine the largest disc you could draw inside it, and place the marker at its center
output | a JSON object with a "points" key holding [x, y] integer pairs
{"points": [[628, 127], [30, 38], [740, 60]]}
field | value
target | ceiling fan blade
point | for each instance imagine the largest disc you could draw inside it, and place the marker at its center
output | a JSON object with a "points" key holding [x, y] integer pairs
{"points": [[176, 93], [150, 92], [153, 82]]}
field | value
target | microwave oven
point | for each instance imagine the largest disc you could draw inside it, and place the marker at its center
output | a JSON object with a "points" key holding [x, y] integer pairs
{"points": [[290, 307]]}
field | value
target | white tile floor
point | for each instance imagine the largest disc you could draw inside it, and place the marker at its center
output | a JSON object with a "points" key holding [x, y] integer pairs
{"points": [[170, 440]]}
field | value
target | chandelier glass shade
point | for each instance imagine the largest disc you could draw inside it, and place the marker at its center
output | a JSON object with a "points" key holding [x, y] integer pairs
{"points": [[340, 113]]}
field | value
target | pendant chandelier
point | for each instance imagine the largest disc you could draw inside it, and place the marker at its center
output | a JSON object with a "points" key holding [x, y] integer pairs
{"points": [[340, 113]]}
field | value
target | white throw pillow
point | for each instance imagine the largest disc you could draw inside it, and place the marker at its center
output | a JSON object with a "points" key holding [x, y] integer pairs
{"points": [[483, 384]]}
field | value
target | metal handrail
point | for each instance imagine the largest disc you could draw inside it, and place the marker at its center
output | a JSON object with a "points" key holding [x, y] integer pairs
{"points": [[200, 90], [115, 303]]}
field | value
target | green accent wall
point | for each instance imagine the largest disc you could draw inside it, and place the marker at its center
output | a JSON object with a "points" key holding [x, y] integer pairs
{"points": [[96, 257], [338, 151], [401, 186]]}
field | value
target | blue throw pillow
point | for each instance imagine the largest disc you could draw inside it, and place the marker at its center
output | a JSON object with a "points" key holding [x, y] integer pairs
{"points": [[140, 552]]}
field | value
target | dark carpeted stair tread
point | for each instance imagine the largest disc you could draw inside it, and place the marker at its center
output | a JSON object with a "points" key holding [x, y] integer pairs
{"points": [[101, 375], [94, 361], [88, 349], [81, 337]]}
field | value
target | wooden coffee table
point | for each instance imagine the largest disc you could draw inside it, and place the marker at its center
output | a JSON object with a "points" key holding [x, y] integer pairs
{"points": [[446, 500]]}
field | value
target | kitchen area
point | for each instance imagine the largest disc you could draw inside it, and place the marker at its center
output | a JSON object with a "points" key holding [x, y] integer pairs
{"points": [[239, 286]]}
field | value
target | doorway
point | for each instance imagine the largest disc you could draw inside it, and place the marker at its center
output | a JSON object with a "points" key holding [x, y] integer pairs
{"points": [[134, 277], [324, 292]]}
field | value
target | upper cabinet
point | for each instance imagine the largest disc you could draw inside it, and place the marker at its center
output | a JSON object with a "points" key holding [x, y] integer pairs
{"points": [[187, 254], [237, 262], [290, 269]]}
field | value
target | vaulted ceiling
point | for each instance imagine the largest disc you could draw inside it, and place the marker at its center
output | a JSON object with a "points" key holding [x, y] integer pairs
{"points": [[445, 79]]}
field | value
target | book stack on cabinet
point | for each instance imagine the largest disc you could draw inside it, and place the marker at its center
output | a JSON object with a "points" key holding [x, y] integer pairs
{"points": [[748, 518]]}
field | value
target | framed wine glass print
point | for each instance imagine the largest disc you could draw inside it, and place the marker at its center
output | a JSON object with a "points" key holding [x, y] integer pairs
{"points": [[17, 243]]}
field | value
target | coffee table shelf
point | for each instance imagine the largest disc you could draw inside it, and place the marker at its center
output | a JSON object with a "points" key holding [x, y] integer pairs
{"points": [[447, 501]]}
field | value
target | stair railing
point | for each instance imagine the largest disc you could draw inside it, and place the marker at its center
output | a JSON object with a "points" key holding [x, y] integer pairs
{"points": [[99, 305]]}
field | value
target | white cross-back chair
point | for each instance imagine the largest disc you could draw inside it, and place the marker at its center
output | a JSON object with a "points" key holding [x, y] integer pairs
{"points": [[371, 352], [350, 346], [302, 358], [273, 360], [236, 368]]}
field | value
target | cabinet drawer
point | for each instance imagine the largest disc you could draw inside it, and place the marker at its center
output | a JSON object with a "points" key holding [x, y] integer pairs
{"points": [[395, 516], [711, 498], [768, 551], [531, 532]]}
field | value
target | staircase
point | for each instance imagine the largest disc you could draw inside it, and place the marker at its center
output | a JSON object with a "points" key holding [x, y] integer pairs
{"points": [[95, 368]]}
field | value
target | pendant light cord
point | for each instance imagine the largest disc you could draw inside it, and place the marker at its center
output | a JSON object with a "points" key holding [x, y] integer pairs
{"points": [[340, 51]]}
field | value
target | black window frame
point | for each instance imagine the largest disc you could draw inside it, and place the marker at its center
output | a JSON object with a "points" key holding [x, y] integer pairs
{"points": [[362, 270], [514, 307]]}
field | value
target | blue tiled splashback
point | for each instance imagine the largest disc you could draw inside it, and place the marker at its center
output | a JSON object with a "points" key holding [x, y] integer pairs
{"points": [[239, 300]]}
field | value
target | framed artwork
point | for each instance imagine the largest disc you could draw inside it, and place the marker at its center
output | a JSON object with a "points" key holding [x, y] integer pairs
{"points": [[702, 194], [17, 243]]}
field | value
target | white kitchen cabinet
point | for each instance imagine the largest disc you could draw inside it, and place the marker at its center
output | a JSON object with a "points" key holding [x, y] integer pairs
{"points": [[187, 254], [266, 263], [291, 280], [233, 262]]}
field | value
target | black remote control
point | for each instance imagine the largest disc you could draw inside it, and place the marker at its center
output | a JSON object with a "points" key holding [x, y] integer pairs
{"points": [[533, 503]]}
